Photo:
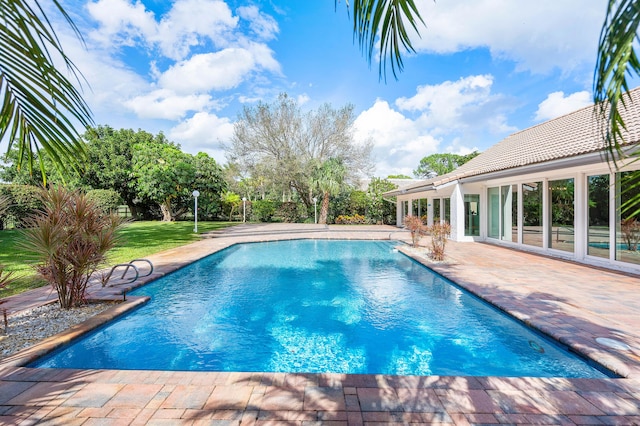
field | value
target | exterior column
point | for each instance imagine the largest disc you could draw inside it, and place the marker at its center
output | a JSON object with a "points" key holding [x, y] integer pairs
{"points": [[457, 213]]}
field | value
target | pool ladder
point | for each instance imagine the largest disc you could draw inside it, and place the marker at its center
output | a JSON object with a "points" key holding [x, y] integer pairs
{"points": [[105, 278]]}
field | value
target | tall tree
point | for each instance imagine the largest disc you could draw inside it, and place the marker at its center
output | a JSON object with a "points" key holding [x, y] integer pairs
{"points": [[164, 174], [40, 106], [440, 164], [209, 181], [110, 161], [378, 209], [328, 178], [280, 143]]}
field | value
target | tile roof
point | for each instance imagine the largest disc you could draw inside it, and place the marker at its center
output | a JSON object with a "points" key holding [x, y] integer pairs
{"points": [[570, 135]]}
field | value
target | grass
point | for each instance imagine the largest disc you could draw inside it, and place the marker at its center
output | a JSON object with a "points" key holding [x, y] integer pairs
{"points": [[139, 239]]}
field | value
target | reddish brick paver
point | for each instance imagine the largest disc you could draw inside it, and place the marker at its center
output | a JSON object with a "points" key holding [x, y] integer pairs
{"points": [[573, 303]]}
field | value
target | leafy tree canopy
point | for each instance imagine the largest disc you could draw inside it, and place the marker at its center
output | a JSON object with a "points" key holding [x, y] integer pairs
{"points": [[278, 145], [440, 164]]}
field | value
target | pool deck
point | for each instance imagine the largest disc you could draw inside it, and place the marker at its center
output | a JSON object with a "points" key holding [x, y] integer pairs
{"points": [[593, 311]]}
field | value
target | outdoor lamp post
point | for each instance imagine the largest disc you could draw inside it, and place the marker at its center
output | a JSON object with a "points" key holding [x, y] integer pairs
{"points": [[244, 209], [315, 210], [195, 194]]}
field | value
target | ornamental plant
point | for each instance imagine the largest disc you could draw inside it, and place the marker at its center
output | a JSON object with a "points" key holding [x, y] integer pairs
{"points": [[439, 234], [417, 228], [69, 240]]}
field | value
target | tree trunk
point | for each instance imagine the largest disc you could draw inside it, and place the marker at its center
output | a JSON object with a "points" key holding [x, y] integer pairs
{"points": [[324, 210], [165, 208]]}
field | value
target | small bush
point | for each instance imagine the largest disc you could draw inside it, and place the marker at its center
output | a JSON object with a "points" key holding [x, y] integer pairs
{"points": [[356, 219], [106, 200], [417, 228], [439, 234], [21, 202], [263, 210], [289, 212], [69, 239]]}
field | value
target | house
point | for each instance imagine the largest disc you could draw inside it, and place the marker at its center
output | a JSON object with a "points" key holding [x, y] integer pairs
{"points": [[548, 189]]}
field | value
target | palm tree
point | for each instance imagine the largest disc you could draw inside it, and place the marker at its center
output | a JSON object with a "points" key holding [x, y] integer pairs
{"points": [[40, 106], [328, 178], [616, 61], [389, 18]]}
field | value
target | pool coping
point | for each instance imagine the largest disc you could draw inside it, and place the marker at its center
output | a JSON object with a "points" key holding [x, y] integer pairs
{"points": [[12, 367]]}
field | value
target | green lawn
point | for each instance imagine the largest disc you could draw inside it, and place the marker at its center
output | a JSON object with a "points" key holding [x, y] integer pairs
{"points": [[140, 239]]}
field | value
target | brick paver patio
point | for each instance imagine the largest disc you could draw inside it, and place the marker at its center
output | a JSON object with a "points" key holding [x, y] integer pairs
{"points": [[573, 303]]}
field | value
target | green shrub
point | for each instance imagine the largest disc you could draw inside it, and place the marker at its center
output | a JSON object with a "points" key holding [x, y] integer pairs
{"points": [[263, 210], [290, 212], [22, 201], [106, 200]]}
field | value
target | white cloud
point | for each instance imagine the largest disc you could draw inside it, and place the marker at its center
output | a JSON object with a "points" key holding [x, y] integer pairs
{"points": [[443, 105], [558, 104], [220, 70], [302, 99], [190, 21], [538, 36], [458, 105], [262, 25], [121, 22], [454, 116], [398, 142], [164, 104], [203, 132]]}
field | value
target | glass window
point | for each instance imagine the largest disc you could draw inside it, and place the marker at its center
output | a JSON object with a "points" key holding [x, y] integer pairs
{"points": [[598, 228], [506, 219], [494, 212], [423, 209], [471, 215], [447, 210], [628, 220], [532, 214], [561, 214], [436, 210], [511, 208], [501, 217]]}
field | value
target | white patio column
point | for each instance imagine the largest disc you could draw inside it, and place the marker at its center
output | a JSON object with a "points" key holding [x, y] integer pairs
{"points": [[457, 213]]}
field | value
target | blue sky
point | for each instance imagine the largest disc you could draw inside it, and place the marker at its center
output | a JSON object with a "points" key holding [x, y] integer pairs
{"points": [[483, 69]]}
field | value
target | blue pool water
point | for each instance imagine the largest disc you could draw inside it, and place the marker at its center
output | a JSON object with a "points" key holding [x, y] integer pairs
{"points": [[317, 306]]}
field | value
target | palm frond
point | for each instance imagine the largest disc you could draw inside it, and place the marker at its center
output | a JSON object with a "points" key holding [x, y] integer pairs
{"points": [[616, 60], [391, 19], [40, 105]]}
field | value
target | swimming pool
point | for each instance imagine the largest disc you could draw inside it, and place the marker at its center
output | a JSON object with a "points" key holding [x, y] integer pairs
{"points": [[317, 306]]}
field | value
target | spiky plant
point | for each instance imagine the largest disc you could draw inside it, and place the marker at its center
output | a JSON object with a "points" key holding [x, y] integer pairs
{"points": [[69, 239], [439, 235], [417, 228]]}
